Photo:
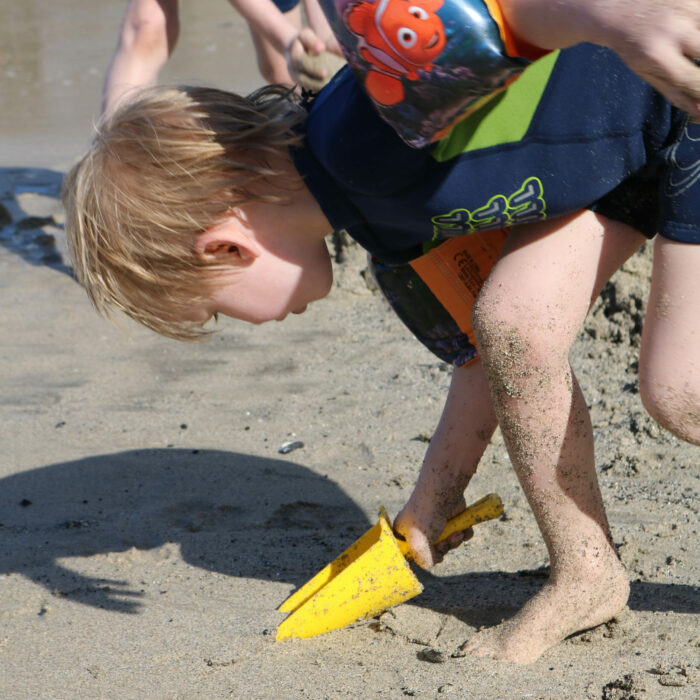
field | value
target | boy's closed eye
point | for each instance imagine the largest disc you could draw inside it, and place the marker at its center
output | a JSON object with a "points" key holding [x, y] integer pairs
{"points": [[218, 249]]}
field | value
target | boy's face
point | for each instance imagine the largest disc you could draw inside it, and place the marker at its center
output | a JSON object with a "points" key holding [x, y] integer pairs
{"points": [[262, 279]]}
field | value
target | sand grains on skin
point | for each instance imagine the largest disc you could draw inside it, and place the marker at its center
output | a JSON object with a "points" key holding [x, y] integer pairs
{"points": [[560, 609]]}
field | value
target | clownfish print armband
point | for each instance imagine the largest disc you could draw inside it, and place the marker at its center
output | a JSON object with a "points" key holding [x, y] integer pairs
{"points": [[426, 64]]}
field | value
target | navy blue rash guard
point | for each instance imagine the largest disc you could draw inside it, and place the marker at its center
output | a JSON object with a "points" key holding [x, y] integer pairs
{"points": [[577, 130]]}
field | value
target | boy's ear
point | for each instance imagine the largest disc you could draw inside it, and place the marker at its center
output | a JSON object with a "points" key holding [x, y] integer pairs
{"points": [[226, 243]]}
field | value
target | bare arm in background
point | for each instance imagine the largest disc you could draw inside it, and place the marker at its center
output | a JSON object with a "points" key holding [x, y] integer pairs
{"points": [[658, 39], [151, 28], [318, 22], [266, 20], [296, 46]]}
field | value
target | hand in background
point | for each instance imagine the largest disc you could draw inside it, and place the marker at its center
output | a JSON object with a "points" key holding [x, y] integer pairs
{"points": [[312, 62]]}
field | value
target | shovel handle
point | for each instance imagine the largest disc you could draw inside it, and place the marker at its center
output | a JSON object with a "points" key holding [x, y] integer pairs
{"points": [[487, 508]]}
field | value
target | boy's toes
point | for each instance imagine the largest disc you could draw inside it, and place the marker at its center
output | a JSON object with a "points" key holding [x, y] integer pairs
{"points": [[482, 644]]}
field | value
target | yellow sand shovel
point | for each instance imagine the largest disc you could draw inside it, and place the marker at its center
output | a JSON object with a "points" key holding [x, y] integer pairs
{"points": [[367, 578]]}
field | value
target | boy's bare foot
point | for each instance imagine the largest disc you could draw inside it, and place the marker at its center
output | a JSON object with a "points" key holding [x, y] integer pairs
{"points": [[565, 606]]}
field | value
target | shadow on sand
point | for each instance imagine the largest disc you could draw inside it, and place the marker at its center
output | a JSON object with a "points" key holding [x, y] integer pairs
{"points": [[231, 513], [486, 598], [235, 514]]}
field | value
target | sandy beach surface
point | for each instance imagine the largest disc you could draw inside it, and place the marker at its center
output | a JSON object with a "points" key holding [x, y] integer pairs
{"points": [[150, 524]]}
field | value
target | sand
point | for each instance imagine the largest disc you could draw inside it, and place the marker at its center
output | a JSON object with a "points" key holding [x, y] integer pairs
{"points": [[151, 526]]}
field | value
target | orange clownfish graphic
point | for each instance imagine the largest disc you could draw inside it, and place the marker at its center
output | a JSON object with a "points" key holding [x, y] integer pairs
{"points": [[396, 37]]}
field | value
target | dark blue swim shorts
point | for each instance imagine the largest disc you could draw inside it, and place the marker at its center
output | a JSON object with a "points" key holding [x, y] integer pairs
{"points": [[286, 5]]}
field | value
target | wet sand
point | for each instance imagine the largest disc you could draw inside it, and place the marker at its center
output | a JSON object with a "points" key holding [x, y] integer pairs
{"points": [[53, 61], [150, 525]]}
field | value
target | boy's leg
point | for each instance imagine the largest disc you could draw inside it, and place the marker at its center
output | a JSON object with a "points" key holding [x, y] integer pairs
{"points": [[669, 367], [525, 320], [148, 36], [271, 63], [463, 433]]}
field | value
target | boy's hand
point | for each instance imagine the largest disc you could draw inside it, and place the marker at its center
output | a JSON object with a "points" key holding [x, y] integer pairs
{"points": [[420, 527], [310, 61], [657, 39], [333, 46]]}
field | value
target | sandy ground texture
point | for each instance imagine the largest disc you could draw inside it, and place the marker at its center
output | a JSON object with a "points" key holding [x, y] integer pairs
{"points": [[150, 525]]}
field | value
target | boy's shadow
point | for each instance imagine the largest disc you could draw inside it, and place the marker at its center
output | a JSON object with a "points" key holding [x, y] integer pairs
{"points": [[31, 218], [485, 598], [232, 513]]}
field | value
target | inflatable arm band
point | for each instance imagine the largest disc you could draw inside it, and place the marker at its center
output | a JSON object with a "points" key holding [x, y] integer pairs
{"points": [[426, 64]]}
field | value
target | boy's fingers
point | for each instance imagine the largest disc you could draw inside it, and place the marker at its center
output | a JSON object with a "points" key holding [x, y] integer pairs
{"points": [[670, 62], [302, 55], [423, 554], [308, 65], [678, 79], [315, 71], [421, 551], [454, 541], [333, 46], [310, 41]]}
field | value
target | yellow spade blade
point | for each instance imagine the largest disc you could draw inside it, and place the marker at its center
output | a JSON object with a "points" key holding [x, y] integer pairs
{"points": [[367, 578]]}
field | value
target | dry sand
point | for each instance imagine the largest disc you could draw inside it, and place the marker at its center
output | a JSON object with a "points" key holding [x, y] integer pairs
{"points": [[150, 525]]}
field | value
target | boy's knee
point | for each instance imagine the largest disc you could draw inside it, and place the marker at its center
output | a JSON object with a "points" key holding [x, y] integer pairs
{"points": [[504, 329], [492, 314], [673, 403]]}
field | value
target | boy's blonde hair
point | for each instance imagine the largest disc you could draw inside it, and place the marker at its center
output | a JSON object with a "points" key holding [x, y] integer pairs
{"points": [[162, 170]]}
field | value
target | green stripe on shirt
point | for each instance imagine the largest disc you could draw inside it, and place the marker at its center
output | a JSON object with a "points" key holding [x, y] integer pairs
{"points": [[503, 119]]}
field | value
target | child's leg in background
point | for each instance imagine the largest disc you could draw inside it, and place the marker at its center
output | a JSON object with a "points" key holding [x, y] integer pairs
{"points": [[148, 36], [669, 366], [463, 433], [525, 319]]}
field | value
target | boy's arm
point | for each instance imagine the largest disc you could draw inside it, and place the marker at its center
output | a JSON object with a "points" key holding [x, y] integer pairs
{"points": [[319, 23], [265, 17], [298, 47], [657, 39], [463, 433]]}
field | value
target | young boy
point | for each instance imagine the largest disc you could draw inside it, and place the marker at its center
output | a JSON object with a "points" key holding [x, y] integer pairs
{"points": [[194, 202]]}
